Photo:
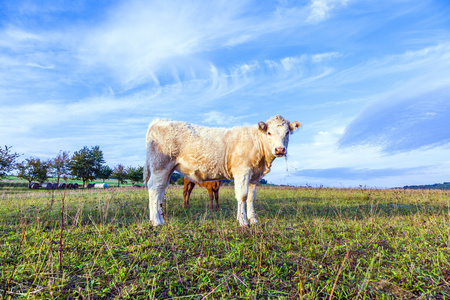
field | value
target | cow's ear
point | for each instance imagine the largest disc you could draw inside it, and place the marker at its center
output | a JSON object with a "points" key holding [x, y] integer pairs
{"points": [[294, 125], [262, 126]]}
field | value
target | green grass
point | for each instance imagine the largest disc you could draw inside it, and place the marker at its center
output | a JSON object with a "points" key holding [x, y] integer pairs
{"points": [[310, 243]]}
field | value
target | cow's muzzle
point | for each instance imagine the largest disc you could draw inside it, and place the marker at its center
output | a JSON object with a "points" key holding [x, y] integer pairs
{"points": [[280, 151]]}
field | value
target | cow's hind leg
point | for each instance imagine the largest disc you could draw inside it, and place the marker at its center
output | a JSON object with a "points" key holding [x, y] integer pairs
{"points": [[159, 180], [250, 200], [241, 191]]}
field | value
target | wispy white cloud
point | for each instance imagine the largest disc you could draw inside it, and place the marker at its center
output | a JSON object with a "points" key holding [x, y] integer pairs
{"points": [[321, 9], [403, 124], [137, 41], [36, 65], [140, 42], [135, 44], [217, 118], [410, 112], [430, 61], [13, 37]]}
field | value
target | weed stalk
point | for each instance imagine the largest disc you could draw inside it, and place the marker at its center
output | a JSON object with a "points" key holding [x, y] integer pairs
{"points": [[339, 272], [62, 230]]}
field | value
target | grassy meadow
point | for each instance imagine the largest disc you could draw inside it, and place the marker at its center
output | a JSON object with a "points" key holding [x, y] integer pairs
{"points": [[310, 243]]}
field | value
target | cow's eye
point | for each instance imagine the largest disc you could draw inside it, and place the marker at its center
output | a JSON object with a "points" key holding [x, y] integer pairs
{"points": [[269, 133]]}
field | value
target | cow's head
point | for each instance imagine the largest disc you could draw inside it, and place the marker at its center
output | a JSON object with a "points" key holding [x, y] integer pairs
{"points": [[276, 131]]}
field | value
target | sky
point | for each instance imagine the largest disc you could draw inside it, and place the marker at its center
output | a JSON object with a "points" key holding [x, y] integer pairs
{"points": [[368, 80]]}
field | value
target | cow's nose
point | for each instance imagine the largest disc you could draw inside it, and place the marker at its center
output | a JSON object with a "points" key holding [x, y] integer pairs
{"points": [[280, 151]]}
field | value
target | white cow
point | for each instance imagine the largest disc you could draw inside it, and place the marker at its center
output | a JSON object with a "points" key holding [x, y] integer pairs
{"points": [[242, 154]]}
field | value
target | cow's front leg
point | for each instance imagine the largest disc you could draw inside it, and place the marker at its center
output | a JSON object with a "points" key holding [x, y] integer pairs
{"points": [[156, 187], [250, 200], [241, 190], [154, 200]]}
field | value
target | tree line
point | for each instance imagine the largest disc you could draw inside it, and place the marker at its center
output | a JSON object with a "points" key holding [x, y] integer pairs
{"points": [[436, 186], [86, 164]]}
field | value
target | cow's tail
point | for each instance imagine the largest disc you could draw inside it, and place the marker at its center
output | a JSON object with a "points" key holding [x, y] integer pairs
{"points": [[147, 172]]}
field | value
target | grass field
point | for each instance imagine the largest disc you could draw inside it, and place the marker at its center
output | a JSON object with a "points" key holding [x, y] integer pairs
{"points": [[310, 243]]}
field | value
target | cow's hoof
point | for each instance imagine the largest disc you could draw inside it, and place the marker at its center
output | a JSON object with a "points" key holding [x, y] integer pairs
{"points": [[244, 228], [253, 222], [244, 224], [157, 222], [160, 218]]}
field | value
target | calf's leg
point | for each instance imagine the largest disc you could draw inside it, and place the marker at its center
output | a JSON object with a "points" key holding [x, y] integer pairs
{"points": [[188, 187], [185, 192], [216, 196], [211, 197]]}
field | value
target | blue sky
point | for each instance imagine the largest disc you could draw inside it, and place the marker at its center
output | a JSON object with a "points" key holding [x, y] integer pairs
{"points": [[368, 80]]}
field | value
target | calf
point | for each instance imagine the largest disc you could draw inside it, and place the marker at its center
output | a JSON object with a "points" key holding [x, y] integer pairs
{"points": [[242, 154], [211, 186]]}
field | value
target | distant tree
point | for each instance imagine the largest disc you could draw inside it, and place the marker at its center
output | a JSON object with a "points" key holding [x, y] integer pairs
{"points": [[436, 186], [60, 165], [174, 177], [180, 181], [82, 166], [135, 174], [263, 181], [105, 173], [227, 182], [7, 161], [85, 164], [97, 157], [120, 174], [32, 169]]}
